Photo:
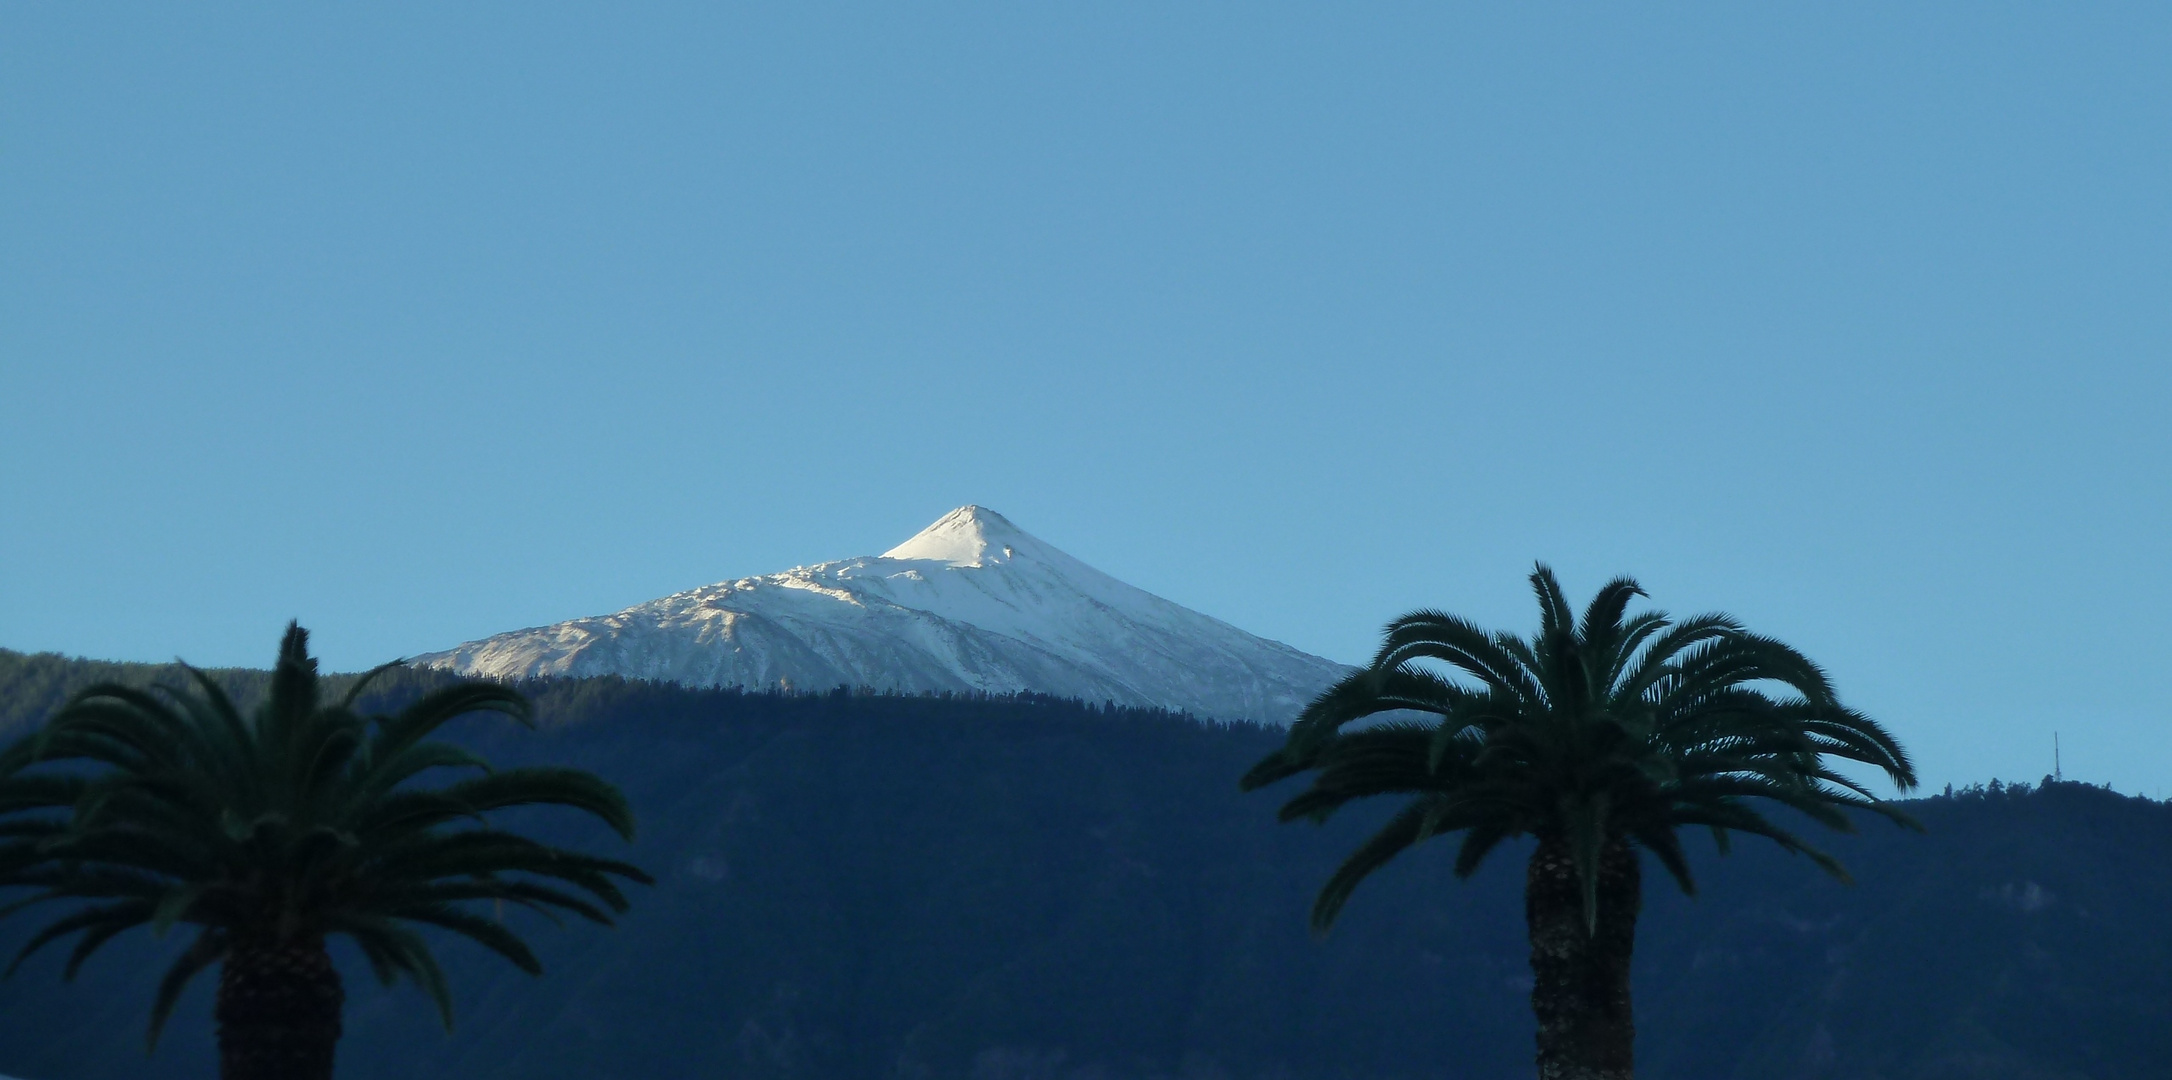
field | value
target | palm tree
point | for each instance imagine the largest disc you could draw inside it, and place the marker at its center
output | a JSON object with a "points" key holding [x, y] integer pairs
{"points": [[1599, 740], [271, 832]]}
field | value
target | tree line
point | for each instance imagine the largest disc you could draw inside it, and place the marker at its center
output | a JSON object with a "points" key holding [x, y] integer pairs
{"points": [[1586, 718]]}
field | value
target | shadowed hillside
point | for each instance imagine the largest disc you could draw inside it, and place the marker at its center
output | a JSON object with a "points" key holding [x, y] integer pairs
{"points": [[866, 886]]}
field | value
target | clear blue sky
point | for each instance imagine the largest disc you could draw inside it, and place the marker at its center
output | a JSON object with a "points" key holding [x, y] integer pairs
{"points": [[421, 324]]}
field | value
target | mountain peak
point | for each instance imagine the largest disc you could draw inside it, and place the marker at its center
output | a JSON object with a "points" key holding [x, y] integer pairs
{"points": [[968, 536], [972, 603]]}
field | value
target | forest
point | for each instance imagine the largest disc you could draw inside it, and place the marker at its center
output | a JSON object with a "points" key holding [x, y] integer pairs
{"points": [[851, 884]]}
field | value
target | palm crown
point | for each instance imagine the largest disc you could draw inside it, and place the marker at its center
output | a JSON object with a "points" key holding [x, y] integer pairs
{"points": [[288, 825], [1616, 728]]}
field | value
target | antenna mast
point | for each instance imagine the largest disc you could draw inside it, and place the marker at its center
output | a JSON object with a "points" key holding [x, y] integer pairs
{"points": [[2058, 775]]}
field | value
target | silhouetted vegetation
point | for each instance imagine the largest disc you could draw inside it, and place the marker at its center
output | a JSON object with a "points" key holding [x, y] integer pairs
{"points": [[1600, 739], [267, 833], [862, 886]]}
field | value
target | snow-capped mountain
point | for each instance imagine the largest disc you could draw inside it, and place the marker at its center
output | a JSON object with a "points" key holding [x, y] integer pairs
{"points": [[971, 603]]}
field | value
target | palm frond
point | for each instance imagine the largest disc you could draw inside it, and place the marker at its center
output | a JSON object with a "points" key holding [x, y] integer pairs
{"points": [[1666, 847], [543, 785], [484, 932], [1618, 729], [1406, 828], [1554, 614], [129, 913], [301, 819], [209, 948]]}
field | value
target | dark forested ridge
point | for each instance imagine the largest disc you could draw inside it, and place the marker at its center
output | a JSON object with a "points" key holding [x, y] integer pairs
{"points": [[870, 887]]}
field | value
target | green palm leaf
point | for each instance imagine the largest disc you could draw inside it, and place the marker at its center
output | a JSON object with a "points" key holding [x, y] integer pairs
{"points": [[278, 827], [1615, 726]]}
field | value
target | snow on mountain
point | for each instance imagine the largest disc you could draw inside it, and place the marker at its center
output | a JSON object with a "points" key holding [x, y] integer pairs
{"points": [[971, 603]]}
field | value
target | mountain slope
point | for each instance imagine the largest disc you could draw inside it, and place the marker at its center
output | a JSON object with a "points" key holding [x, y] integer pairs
{"points": [[972, 603], [871, 888]]}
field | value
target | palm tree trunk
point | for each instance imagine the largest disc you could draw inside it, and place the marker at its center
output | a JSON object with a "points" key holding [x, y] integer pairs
{"points": [[1580, 979], [278, 1012]]}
